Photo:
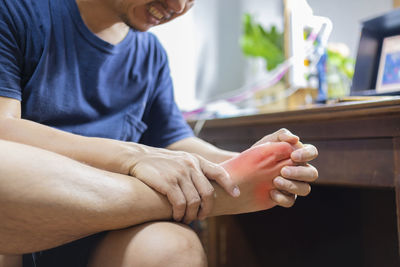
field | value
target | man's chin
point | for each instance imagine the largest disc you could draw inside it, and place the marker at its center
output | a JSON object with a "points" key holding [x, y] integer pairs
{"points": [[140, 28]]}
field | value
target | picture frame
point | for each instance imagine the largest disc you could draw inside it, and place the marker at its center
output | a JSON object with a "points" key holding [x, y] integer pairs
{"points": [[388, 78]]}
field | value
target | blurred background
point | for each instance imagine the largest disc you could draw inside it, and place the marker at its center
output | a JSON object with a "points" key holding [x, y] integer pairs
{"points": [[207, 46]]}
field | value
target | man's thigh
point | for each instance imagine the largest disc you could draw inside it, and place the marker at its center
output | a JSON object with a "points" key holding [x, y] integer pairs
{"points": [[74, 254], [151, 244], [10, 261]]}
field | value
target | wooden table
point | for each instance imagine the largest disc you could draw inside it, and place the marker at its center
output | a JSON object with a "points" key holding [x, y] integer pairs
{"points": [[359, 186]]}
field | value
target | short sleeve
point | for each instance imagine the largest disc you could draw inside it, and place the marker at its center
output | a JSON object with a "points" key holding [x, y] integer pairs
{"points": [[10, 58], [165, 122]]}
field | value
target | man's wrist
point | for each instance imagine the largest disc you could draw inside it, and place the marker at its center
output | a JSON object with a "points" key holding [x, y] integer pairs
{"points": [[127, 155], [108, 154]]}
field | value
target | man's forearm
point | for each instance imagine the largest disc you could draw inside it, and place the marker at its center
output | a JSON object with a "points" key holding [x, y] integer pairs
{"points": [[202, 148], [47, 200], [101, 153]]}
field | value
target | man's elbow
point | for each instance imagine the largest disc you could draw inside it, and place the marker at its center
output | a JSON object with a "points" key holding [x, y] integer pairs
{"points": [[8, 127]]}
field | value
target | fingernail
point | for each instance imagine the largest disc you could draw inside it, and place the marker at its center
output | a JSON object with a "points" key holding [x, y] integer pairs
{"points": [[296, 155], [286, 172], [284, 137], [236, 191], [289, 135], [279, 181], [273, 194]]}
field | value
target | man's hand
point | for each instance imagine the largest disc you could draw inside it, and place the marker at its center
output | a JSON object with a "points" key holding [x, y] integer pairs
{"points": [[184, 179], [294, 180]]}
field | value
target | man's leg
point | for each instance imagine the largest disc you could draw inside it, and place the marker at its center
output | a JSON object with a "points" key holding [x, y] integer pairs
{"points": [[164, 244], [10, 261], [47, 200], [150, 244], [171, 244]]}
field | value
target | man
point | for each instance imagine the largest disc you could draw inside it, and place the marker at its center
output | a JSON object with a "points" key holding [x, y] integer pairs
{"points": [[84, 80]]}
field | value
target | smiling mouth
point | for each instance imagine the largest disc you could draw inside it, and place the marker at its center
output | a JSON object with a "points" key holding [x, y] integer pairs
{"points": [[156, 13]]}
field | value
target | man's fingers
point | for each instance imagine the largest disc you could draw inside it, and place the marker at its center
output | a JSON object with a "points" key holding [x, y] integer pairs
{"points": [[288, 137], [192, 201], [307, 173], [220, 175], [305, 154], [283, 135], [282, 199], [206, 192], [178, 202], [293, 187]]}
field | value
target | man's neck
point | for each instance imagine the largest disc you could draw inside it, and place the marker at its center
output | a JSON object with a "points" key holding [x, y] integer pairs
{"points": [[102, 21]]}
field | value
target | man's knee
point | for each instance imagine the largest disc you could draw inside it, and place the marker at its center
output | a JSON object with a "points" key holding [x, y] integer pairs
{"points": [[10, 261], [175, 243], [151, 244]]}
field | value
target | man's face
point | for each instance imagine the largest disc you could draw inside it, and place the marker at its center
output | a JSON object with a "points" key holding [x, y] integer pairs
{"points": [[144, 14]]}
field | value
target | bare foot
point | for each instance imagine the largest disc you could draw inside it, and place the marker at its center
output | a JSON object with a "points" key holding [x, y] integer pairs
{"points": [[254, 170]]}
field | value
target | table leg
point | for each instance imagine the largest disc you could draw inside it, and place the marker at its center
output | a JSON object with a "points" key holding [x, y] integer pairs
{"points": [[396, 149]]}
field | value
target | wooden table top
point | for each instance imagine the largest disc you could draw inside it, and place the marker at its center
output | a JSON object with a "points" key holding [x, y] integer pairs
{"points": [[346, 110], [356, 140]]}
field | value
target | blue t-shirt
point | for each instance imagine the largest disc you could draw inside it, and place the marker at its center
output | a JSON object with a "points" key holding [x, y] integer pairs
{"points": [[68, 78]]}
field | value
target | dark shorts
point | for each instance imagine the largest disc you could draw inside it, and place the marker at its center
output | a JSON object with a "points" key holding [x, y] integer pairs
{"points": [[74, 254]]}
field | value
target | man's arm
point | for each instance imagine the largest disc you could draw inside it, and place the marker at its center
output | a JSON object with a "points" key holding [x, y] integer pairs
{"points": [[185, 181], [47, 199], [101, 153], [200, 147]]}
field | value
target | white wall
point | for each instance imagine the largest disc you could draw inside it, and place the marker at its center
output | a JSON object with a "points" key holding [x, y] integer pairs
{"points": [[347, 15], [220, 63], [179, 40], [203, 46]]}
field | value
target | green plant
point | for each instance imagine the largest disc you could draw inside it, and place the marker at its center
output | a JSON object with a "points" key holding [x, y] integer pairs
{"points": [[340, 71], [342, 63], [259, 42]]}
